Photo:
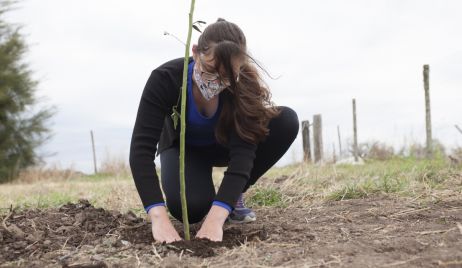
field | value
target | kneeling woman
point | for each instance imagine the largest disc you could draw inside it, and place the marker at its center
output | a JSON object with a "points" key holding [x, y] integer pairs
{"points": [[230, 122]]}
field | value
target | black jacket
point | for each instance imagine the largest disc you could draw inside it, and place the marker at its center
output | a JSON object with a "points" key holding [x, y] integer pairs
{"points": [[154, 128]]}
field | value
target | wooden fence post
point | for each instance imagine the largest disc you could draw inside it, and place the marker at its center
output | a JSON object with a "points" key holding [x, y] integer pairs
{"points": [[428, 122], [339, 143], [334, 156], [317, 138], [306, 141], [94, 153], [355, 133]]}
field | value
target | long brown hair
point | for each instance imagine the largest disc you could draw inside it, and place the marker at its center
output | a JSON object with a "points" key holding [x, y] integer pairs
{"points": [[247, 105]]}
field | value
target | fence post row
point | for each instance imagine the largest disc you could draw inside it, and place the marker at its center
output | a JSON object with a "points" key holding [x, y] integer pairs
{"points": [[317, 129]]}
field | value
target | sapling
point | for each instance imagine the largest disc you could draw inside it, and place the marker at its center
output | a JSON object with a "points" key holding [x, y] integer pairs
{"points": [[184, 207], [175, 115]]}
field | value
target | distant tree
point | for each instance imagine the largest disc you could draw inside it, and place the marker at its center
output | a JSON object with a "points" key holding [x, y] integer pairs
{"points": [[22, 123]]}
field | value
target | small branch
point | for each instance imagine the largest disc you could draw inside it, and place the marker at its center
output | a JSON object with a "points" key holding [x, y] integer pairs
{"points": [[65, 243], [436, 231], [99, 264], [174, 36], [449, 263], [408, 211], [138, 262], [134, 226], [401, 262], [120, 250], [4, 222], [459, 225], [81, 242], [31, 245], [156, 253]]}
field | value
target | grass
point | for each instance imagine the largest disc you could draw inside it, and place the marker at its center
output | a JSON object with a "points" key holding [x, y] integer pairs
{"points": [[111, 192], [266, 197], [294, 185], [406, 177]]}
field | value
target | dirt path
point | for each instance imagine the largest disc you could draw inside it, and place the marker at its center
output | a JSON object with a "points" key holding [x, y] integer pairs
{"points": [[373, 232]]}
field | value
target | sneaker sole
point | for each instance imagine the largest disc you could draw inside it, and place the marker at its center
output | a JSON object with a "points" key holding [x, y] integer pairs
{"points": [[246, 219]]}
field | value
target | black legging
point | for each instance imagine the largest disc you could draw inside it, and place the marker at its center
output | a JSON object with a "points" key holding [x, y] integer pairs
{"points": [[199, 161]]}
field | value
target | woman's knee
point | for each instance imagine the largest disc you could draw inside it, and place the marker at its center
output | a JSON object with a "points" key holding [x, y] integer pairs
{"points": [[288, 122]]}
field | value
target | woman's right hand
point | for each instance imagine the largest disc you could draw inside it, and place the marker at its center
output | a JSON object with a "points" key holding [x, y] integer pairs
{"points": [[162, 227]]}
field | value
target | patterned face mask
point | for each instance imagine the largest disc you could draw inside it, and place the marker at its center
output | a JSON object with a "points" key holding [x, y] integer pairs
{"points": [[209, 87]]}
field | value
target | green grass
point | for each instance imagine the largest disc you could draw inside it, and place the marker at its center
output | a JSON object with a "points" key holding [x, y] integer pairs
{"points": [[350, 191], [266, 197], [407, 177], [305, 184], [106, 191], [51, 200], [385, 184]]}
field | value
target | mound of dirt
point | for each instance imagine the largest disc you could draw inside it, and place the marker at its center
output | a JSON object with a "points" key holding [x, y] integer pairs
{"points": [[33, 234]]}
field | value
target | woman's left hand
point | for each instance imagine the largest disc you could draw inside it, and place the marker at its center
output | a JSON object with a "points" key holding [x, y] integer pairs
{"points": [[212, 228]]}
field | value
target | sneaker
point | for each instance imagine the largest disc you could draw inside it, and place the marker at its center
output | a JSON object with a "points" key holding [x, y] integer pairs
{"points": [[241, 214]]}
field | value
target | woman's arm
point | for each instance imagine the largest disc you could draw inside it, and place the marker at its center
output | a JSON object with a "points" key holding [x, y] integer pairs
{"points": [[241, 155], [156, 102]]}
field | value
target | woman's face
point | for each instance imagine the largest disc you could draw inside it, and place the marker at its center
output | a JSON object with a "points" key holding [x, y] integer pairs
{"points": [[206, 66], [207, 78]]}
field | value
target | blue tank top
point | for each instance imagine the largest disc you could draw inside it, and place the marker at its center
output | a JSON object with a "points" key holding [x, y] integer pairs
{"points": [[200, 130]]}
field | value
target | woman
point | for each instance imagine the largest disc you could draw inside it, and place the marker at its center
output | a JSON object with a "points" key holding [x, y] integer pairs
{"points": [[230, 121]]}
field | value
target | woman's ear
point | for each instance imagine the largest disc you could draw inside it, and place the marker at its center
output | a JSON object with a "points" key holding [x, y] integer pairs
{"points": [[194, 51]]}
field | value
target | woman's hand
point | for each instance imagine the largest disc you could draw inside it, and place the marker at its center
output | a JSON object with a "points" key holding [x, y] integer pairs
{"points": [[212, 228], [162, 227]]}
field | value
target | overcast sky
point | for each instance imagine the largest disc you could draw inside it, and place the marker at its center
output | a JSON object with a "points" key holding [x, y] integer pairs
{"points": [[93, 58]]}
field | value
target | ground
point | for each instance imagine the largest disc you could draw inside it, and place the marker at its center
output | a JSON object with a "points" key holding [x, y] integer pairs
{"points": [[375, 232], [396, 213]]}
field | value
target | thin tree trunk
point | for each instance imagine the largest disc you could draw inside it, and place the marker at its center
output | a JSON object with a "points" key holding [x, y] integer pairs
{"points": [[184, 205]]}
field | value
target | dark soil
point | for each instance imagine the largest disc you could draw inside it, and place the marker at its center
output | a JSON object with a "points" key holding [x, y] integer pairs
{"points": [[32, 234], [371, 232]]}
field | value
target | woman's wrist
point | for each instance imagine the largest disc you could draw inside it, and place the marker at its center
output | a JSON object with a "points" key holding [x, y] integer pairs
{"points": [[158, 212], [217, 215]]}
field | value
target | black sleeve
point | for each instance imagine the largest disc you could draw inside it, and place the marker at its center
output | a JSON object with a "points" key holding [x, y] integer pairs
{"points": [[242, 155], [155, 104]]}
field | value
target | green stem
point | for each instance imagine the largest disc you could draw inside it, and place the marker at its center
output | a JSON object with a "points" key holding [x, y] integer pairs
{"points": [[184, 207]]}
